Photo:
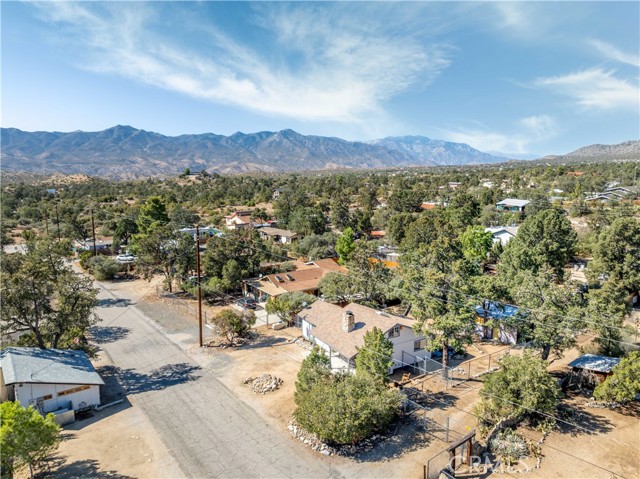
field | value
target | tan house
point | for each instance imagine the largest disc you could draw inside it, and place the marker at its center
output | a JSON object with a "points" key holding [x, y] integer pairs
{"points": [[238, 220], [278, 235], [305, 278]]}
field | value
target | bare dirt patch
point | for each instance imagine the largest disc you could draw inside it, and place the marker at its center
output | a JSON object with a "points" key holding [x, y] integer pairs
{"points": [[118, 442]]}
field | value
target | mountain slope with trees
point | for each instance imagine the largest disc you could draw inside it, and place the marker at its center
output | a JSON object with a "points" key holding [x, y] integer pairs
{"points": [[126, 152]]}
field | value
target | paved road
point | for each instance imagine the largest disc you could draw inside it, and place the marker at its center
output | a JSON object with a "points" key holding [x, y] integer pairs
{"points": [[206, 428]]}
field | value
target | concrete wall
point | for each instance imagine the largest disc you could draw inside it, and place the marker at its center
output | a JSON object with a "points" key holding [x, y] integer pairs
{"points": [[26, 392]]}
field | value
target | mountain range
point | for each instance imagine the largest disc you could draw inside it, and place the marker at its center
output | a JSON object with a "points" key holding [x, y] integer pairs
{"points": [[127, 152]]}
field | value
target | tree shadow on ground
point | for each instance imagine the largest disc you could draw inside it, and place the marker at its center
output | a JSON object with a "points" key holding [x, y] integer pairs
{"points": [[577, 421], [134, 382], [108, 334], [264, 342], [114, 302], [405, 435], [57, 468]]}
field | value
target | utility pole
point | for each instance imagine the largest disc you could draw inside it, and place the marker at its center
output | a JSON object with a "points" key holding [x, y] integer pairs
{"points": [[199, 285], [57, 221], [93, 227], [46, 223]]}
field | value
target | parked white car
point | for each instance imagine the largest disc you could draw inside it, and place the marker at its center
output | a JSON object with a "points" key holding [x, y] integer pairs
{"points": [[125, 258]]}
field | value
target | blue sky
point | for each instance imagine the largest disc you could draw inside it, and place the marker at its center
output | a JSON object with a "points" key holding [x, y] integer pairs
{"points": [[523, 78]]}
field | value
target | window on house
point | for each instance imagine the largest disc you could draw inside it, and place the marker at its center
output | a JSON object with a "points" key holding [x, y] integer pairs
{"points": [[419, 344], [45, 398], [73, 390], [394, 332]]}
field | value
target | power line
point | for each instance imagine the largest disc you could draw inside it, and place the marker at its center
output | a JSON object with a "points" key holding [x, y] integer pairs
{"points": [[465, 294]]}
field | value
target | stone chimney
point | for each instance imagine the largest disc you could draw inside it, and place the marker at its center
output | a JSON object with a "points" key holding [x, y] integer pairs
{"points": [[348, 321]]}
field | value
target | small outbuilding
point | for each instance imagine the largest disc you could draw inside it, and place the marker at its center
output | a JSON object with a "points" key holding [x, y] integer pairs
{"points": [[491, 319], [599, 366], [50, 380]]}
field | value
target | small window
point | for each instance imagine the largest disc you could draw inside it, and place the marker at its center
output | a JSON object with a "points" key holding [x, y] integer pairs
{"points": [[419, 344], [394, 332], [45, 398], [73, 390]]}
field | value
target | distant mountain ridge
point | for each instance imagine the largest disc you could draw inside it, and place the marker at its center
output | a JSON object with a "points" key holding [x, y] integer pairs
{"points": [[621, 149], [626, 151], [127, 152], [439, 151]]}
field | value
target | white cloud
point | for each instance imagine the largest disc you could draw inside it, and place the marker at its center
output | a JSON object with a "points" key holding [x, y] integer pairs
{"points": [[594, 88], [613, 53], [531, 129], [344, 68], [540, 126]]}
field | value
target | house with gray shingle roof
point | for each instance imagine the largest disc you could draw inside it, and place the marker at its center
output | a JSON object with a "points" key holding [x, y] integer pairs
{"points": [[340, 332], [49, 379]]}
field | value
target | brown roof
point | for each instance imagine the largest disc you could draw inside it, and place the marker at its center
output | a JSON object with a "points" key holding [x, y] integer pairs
{"points": [[302, 280], [269, 231], [306, 277], [330, 264], [239, 214], [327, 321]]}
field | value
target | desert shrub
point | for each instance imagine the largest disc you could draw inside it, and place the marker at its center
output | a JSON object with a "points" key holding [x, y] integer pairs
{"points": [[232, 325], [346, 408], [624, 383], [85, 257], [509, 446], [520, 389], [103, 267]]}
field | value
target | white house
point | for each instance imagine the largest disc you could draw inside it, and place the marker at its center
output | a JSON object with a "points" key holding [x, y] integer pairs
{"points": [[49, 379], [278, 235], [512, 204], [205, 232], [503, 234], [340, 331]]}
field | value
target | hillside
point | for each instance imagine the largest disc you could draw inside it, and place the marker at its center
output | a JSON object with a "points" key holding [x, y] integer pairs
{"points": [[126, 152], [626, 151]]}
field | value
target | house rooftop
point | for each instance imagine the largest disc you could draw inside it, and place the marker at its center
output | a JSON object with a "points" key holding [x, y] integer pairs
{"points": [[497, 229], [513, 202], [497, 310], [327, 321], [270, 231], [306, 277], [49, 366], [593, 362]]}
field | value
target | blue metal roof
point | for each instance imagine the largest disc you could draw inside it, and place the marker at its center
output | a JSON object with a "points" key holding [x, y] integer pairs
{"points": [[593, 362], [497, 310], [51, 366]]}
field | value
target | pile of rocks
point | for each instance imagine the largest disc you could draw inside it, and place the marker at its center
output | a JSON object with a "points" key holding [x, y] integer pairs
{"points": [[602, 404], [310, 440], [263, 384], [323, 448], [300, 341]]}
